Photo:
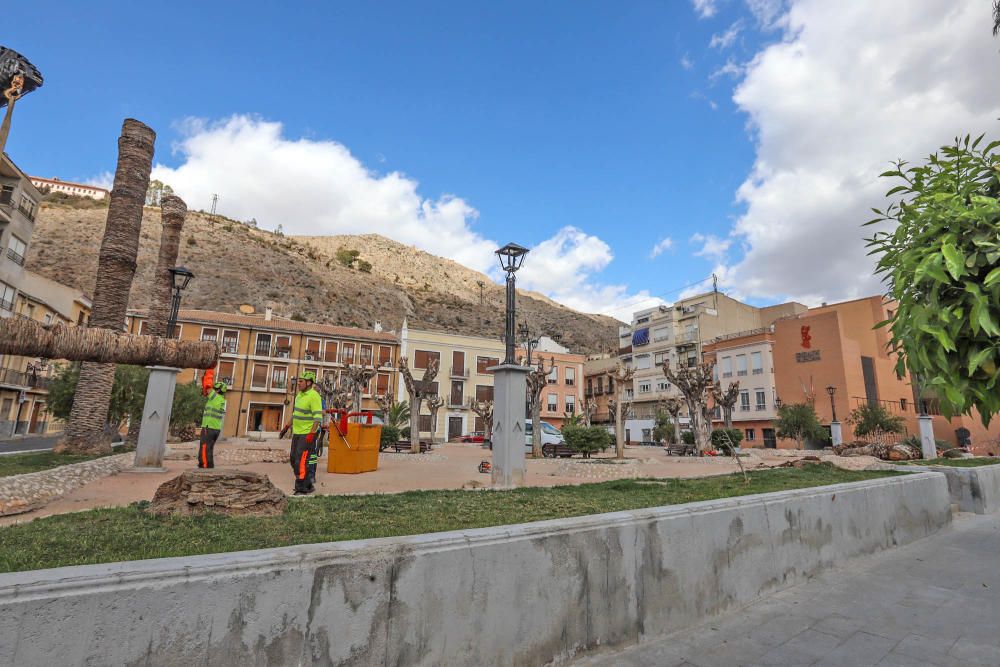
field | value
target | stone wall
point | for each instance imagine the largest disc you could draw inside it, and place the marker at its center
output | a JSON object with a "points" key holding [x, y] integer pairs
{"points": [[525, 594], [23, 493], [975, 489]]}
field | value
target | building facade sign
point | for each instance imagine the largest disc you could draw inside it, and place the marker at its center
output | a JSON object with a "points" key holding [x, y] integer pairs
{"points": [[803, 357]]}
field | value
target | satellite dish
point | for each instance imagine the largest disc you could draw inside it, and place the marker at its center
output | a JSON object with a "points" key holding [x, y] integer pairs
{"points": [[247, 309]]}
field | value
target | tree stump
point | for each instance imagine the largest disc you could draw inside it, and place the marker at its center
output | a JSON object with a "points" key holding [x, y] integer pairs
{"points": [[229, 492]]}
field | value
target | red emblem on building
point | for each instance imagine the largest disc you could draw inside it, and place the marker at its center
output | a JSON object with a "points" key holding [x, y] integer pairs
{"points": [[806, 338]]}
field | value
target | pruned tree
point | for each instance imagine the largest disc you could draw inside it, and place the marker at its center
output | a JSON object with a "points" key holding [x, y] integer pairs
{"points": [[85, 431], [695, 383], [623, 379], [434, 405], [536, 381], [726, 400], [484, 410], [673, 406], [589, 409], [385, 402], [357, 379], [336, 395], [417, 391]]}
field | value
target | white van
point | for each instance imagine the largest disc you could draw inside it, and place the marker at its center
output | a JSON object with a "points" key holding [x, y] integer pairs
{"points": [[550, 434]]}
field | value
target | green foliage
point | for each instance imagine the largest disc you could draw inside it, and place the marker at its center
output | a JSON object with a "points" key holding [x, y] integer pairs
{"points": [[799, 422], [687, 437], [298, 317], [61, 390], [663, 431], [586, 439], [398, 415], [347, 257], [941, 264], [870, 419], [390, 436], [156, 191], [188, 406], [364, 267], [721, 442], [574, 419]]}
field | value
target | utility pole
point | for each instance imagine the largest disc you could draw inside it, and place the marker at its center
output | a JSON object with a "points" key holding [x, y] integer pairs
{"points": [[481, 286], [715, 290], [215, 200]]}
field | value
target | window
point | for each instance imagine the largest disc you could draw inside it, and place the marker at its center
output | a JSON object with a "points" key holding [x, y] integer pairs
{"points": [[263, 346], [600, 385], [482, 363], [226, 372], [384, 355], [16, 250], [283, 346], [347, 353], [590, 386], [902, 404], [553, 376], [425, 424], [177, 330], [6, 194], [382, 383], [662, 385], [551, 402], [745, 400], [643, 362], [6, 297], [330, 352], [312, 349], [661, 358], [457, 393], [727, 367], [741, 364], [142, 327], [751, 434], [27, 207], [366, 355], [570, 377], [8, 404], [755, 363], [209, 335], [692, 359], [279, 377], [642, 320], [48, 318], [644, 387], [570, 404], [611, 385], [484, 392], [81, 317], [422, 358], [230, 341], [661, 333], [480, 425], [761, 399], [258, 379]]}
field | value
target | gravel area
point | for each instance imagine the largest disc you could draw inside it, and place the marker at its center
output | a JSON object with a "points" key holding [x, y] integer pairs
{"points": [[23, 493]]}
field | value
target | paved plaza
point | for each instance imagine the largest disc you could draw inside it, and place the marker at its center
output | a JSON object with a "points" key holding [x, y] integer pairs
{"points": [[934, 602]]}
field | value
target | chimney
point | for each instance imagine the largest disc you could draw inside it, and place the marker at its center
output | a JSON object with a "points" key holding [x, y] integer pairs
{"points": [[268, 314], [378, 327]]}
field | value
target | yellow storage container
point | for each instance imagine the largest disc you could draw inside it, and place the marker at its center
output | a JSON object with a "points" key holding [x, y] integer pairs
{"points": [[355, 452]]}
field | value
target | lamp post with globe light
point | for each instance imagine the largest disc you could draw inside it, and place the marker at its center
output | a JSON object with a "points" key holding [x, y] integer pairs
{"points": [[836, 432]]}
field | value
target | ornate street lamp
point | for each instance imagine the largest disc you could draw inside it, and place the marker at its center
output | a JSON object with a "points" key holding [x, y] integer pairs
{"points": [[511, 258], [181, 278], [777, 402], [833, 408], [529, 343], [18, 77]]}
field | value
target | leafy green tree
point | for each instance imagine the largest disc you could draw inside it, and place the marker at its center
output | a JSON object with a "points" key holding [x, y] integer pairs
{"points": [[346, 257], [870, 419], [663, 431], [941, 264], [687, 437], [586, 439], [128, 393], [724, 439], [799, 422], [187, 410], [389, 437], [398, 414], [364, 267]]}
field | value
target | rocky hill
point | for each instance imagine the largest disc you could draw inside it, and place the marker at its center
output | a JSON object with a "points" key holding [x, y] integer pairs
{"points": [[302, 277]]}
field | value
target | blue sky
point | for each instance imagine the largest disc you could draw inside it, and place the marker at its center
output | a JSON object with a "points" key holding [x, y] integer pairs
{"points": [[590, 130]]}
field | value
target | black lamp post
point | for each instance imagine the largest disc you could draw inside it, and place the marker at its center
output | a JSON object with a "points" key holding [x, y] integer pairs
{"points": [[180, 277], [777, 402], [529, 343], [833, 408], [18, 77], [511, 258]]}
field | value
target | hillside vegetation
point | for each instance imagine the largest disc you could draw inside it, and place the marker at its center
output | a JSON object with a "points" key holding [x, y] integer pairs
{"points": [[302, 277]]}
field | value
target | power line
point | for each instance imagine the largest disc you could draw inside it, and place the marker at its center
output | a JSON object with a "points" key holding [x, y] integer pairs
{"points": [[215, 200]]}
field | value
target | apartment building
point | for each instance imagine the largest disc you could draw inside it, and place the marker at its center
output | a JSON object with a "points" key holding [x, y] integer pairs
{"points": [[599, 378], [747, 357], [69, 188], [563, 395], [837, 346], [262, 354], [19, 201], [24, 381], [463, 375]]}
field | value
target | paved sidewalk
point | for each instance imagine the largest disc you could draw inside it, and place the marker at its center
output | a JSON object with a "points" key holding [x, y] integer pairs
{"points": [[934, 602], [33, 443]]}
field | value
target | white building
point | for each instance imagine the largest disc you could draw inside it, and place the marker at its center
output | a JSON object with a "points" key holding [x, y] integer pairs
{"points": [[67, 187]]}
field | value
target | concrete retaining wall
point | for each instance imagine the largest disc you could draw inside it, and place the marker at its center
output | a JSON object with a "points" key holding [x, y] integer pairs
{"points": [[527, 594], [974, 489]]}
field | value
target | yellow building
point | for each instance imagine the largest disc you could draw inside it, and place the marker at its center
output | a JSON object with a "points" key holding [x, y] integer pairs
{"points": [[462, 376], [263, 353], [24, 381]]}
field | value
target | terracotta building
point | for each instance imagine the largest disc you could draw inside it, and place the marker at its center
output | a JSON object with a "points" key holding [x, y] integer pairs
{"points": [[837, 346], [747, 358], [563, 394], [262, 354], [599, 379]]}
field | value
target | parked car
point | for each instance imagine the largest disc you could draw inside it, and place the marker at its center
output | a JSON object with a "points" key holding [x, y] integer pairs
{"points": [[550, 434], [475, 436]]}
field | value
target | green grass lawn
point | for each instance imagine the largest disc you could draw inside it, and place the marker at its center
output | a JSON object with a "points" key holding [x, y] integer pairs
{"points": [[956, 463], [129, 533], [18, 464]]}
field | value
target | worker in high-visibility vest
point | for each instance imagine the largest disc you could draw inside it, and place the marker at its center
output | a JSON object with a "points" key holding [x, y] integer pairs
{"points": [[211, 424], [307, 418]]}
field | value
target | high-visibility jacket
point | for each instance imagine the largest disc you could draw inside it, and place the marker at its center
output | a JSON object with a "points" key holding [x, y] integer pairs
{"points": [[215, 411], [308, 411]]}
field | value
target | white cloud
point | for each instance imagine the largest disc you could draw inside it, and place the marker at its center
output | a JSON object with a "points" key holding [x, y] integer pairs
{"points": [[829, 106], [712, 247], [316, 187], [665, 244], [724, 40], [731, 69], [705, 8], [105, 180], [766, 12], [686, 62]]}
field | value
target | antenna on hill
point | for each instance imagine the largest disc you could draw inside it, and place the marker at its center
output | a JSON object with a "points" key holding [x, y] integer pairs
{"points": [[215, 200], [715, 290]]}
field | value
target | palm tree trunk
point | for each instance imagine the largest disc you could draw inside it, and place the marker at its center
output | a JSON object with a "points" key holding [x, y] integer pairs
{"points": [[85, 431], [173, 210]]}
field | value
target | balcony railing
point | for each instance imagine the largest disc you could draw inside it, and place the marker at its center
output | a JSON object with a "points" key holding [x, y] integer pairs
{"points": [[6, 305], [11, 377], [727, 375], [758, 371], [228, 348], [741, 373], [17, 258], [459, 372], [761, 408]]}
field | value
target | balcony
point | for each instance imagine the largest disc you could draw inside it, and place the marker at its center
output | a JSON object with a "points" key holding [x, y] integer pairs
{"points": [[761, 408], [10, 377], [727, 375], [228, 347], [741, 373], [758, 371], [17, 258], [6, 305]]}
